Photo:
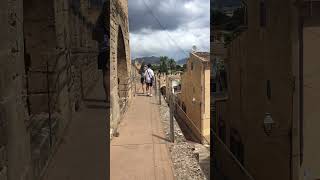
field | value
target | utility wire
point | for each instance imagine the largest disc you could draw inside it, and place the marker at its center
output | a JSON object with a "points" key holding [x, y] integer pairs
{"points": [[164, 28]]}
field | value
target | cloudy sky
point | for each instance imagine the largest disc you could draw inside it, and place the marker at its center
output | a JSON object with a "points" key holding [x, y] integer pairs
{"points": [[168, 27]]}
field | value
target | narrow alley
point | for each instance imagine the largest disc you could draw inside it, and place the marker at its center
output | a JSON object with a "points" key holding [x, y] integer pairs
{"points": [[140, 151]]}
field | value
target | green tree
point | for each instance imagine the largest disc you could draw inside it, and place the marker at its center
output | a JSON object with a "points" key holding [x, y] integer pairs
{"points": [[220, 18], [178, 67], [172, 65], [164, 64]]}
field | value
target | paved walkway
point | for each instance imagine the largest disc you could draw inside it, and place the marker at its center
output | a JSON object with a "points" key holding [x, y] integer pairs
{"points": [[140, 152], [83, 154]]}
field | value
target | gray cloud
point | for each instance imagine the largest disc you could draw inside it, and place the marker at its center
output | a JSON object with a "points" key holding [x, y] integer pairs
{"points": [[185, 21], [171, 13]]}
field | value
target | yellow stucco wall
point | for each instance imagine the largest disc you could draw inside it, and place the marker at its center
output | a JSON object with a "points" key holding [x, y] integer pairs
{"points": [[311, 155], [196, 85]]}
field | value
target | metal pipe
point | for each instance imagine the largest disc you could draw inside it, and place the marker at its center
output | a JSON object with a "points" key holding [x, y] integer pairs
{"points": [[159, 92], [49, 106], [171, 119]]}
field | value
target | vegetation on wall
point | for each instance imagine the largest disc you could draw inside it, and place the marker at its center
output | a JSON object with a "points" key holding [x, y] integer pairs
{"points": [[233, 24]]}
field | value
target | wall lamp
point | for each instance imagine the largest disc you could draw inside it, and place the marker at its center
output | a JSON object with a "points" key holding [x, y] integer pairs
{"points": [[268, 124]]}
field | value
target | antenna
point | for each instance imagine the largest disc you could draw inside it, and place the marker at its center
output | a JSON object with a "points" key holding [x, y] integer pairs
{"points": [[194, 48]]}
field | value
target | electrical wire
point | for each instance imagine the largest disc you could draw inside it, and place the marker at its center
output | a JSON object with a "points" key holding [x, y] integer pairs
{"points": [[164, 28]]}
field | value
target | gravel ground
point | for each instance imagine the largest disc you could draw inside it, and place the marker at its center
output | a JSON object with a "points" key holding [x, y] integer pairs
{"points": [[184, 154]]}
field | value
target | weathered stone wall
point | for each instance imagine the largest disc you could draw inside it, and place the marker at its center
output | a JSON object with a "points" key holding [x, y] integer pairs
{"points": [[42, 43], [14, 140], [120, 61]]}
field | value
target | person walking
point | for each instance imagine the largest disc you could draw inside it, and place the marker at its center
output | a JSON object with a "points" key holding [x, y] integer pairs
{"points": [[149, 76], [142, 79]]}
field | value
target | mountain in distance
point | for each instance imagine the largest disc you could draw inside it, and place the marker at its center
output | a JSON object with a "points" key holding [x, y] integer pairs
{"points": [[147, 60], [156, 60]]}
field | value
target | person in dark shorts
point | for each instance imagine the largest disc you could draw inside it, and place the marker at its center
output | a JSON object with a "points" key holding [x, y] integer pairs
{"points": [[101, 35], [143, 80]]}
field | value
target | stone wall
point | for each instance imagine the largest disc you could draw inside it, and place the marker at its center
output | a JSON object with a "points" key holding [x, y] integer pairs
{"points": [[48, 62], [120, 61], [14, 139]]}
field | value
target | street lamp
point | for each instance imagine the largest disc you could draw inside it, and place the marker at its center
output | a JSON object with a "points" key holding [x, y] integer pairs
{"points": [[268, 124]]}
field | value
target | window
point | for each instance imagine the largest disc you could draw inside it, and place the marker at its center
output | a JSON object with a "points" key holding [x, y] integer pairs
{"points": [[213, 86], [263, 13], [222, 130], [223, 76], [268, 89], [192, 66]]}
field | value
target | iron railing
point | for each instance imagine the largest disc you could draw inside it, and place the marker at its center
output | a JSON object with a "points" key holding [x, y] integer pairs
{"points": [[125, 88], [226, 165], [178, 111]]}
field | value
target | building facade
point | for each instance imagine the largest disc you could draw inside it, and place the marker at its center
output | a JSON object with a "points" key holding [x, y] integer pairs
{"points": [[194, 98], [271, 75], [173, 82]]}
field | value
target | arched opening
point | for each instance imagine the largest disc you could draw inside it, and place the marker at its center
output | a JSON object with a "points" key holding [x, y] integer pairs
{"points": [[122, 70], [222, 129], [163, 90]]}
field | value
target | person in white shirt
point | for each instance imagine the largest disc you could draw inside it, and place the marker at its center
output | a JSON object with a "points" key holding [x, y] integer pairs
{"points": [[149, 78]]}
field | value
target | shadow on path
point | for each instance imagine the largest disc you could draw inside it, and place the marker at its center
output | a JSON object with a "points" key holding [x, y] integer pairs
{"points": [[84, 152], [161, 137], [95, 100]]}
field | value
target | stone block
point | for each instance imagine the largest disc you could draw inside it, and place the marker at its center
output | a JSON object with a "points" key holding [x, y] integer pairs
{"points": [[3, 173], [3, 156], [38, 82], [38, 103]]}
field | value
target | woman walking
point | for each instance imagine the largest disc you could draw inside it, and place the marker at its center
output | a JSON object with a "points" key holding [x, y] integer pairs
{"points": [[142, 79]]}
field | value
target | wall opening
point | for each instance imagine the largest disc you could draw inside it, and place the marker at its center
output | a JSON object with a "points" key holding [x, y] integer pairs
{"points": [[122, 70]]}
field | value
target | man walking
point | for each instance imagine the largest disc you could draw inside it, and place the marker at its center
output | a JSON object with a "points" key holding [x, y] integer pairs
{"points": [[149, 77]]}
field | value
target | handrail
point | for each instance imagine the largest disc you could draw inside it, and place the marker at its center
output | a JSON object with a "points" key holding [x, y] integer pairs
{"points": [[189, 119], [234, 158]]}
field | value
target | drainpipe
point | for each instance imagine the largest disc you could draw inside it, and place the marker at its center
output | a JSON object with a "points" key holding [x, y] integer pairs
{"points": [[301, 24], [296, 133], [202, 102]]}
